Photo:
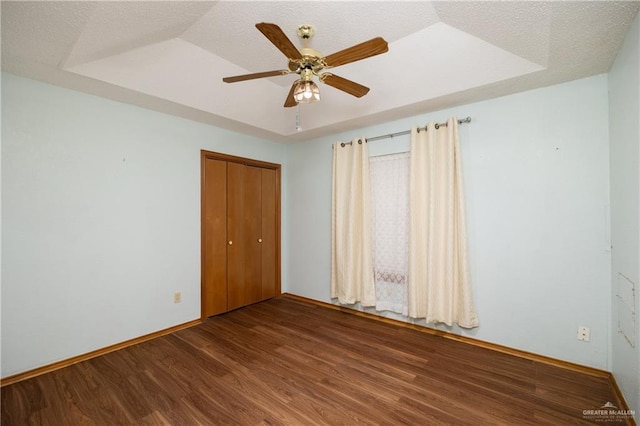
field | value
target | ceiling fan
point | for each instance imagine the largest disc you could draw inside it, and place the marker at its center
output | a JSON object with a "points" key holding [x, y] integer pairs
{"points": [[308, 62]]}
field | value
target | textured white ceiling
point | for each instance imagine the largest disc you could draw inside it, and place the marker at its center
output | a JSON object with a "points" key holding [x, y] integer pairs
{"points": [[171, 55]]}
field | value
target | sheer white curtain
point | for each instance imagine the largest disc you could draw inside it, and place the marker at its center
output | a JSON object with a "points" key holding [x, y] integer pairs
{"points": [[390, 230], [351, 255], [439, 285]]}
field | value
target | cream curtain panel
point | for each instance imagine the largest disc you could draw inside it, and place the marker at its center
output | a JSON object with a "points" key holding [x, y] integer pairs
{"points": [[351, 253], [439, 286]]}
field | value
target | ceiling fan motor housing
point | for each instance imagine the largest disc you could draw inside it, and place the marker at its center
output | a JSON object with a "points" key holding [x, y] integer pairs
{"points": [[311, 59]]}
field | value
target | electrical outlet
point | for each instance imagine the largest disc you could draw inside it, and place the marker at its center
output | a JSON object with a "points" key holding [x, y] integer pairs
{"points": [[177, 297], [584, 333]]}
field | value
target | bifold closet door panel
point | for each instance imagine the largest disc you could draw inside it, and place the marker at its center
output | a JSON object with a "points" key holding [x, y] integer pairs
{"points": [[252, 236], [243, 228], [214, 246], [235, 247], [269, 227]]}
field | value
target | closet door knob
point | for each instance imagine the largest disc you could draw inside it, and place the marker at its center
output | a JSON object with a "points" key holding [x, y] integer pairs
{"points": [[230, 242], [259, 240]]}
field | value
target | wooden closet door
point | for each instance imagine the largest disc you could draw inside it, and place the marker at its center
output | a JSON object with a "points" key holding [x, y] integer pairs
{"points": [[252, 224], [214, 237], [268, 248], [240, 232], [243, 228]]}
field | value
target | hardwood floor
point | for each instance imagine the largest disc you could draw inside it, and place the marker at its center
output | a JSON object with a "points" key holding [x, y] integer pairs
{"points": [[284, 362]]}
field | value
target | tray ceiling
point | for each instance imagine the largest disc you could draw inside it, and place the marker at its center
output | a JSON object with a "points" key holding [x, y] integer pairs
{"points": [[171, 56]]}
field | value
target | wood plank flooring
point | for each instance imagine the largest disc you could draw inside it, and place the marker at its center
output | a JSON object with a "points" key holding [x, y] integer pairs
{"points": [[285, 362]]}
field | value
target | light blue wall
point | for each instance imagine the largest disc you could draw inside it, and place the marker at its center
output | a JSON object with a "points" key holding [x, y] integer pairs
{"points": [[624, 119], [101, 220], [536, 173]]}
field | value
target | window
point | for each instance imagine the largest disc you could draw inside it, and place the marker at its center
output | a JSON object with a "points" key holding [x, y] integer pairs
{"points": [[390, 230]]}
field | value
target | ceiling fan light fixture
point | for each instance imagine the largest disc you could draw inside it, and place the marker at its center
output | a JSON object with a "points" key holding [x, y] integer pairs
{"points": [[308, 62], [306, 92]]}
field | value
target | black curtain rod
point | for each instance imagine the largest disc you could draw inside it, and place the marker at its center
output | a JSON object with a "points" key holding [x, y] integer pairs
{"points": [[406, 132]]}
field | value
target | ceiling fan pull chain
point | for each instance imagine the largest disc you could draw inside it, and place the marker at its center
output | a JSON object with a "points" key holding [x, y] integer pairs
{"points": [[298, 127]]}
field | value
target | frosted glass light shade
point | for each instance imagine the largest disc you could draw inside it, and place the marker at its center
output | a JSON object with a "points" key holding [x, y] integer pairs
{"points": [[306, 92]]}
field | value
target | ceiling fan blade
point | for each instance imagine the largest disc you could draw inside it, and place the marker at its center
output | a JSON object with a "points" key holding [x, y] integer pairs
{"points": [[290, 101], [253, 76], [373, 47], [351, 87], [279, 40]]}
